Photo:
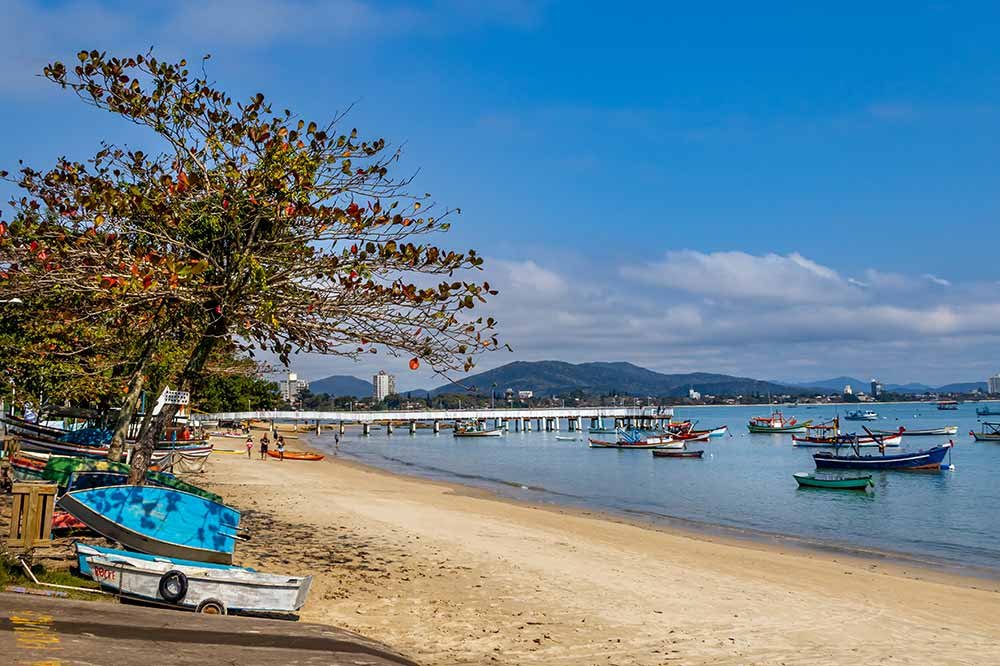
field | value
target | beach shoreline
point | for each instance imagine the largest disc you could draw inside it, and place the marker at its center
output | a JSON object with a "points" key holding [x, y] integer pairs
{"points": [[451, 574], [926, 567]]}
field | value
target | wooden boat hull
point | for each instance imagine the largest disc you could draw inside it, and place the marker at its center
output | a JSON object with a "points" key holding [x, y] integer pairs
{"points": [[662, 453], [984, 437], [853, 483], [158, 521], [930, 432], [633, 446], [239, 590], [478, 433], [295, 455], [892, 440], [929, 459]]}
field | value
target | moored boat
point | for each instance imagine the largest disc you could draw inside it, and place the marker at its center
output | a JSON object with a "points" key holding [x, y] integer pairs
{"points": [[989, 432], [861, 415], [807, 480], [947, 405], [667, 453], [930, 459], [658, 443], [890, 439], [776, 423], [158, 521], [988, 410], [944, 431], [476, 430]]}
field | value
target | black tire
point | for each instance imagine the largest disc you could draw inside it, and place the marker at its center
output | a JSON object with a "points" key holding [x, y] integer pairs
{"points": [[173, 586], [211, 607]]}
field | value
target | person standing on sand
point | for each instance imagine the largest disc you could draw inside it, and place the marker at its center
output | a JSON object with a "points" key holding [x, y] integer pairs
{"points": [[263, 447], [281, 448], [249, 447]]}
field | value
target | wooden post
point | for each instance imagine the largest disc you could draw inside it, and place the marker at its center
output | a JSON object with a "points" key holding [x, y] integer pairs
{"points": [[31, 515]]}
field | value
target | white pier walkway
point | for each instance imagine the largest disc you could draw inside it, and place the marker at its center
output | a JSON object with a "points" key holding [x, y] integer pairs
{"points": [[548, 418]]}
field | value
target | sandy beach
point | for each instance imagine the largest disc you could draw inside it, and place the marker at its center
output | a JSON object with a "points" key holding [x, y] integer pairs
{"points": [[451, 575]]}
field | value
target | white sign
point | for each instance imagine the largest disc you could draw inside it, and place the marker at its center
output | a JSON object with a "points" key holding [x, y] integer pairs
{"points": [[176, 397]]}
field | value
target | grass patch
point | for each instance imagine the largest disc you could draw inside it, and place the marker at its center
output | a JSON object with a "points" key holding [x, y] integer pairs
{"points": [[11, 573]]}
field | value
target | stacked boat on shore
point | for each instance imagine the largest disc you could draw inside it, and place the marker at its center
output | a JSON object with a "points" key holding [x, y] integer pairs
{"points": [[174, 540]]}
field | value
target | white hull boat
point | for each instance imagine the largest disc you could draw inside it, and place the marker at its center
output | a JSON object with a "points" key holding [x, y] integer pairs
{"points": [[202, 589]]}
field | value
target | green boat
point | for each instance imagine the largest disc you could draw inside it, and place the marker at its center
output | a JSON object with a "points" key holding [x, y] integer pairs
{"points": [[59, 470], [776, 422], [807, 480]]}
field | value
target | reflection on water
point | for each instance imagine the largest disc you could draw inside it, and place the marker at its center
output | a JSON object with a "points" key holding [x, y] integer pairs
{"points": [[744, 481]]}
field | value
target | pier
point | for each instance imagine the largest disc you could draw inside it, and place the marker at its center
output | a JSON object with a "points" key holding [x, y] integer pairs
{"points": [[517, 420]]}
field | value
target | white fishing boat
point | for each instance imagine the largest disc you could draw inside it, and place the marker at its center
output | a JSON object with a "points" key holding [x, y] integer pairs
{"points": [[476, 430], [204, 589]]}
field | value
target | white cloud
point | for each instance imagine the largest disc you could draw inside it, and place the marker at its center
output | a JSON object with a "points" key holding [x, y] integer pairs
{"points": [[770, 278], [936, 280]]}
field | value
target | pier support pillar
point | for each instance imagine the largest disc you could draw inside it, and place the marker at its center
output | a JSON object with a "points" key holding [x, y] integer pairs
{"points": [[555, 424], [413, 427], [527, 425], [366, 429], [437, 427]]}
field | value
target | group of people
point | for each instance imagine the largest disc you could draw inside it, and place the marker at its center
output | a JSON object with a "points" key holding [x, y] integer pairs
{"points": [[265, 444]]}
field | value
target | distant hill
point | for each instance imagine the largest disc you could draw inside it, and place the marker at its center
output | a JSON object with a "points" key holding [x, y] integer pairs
{"points": [[340, 385], [837, 384], [963, 387], [547, 378], [912, 387]]}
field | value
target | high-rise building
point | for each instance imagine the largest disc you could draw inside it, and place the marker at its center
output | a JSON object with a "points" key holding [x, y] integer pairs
{"points": [[291, 387], [848, 390], [993, 384], [877, 388], [383, 385]]}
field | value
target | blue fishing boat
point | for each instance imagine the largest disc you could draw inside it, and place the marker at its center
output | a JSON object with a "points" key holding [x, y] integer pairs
{"points": [[158, 521], [85, 551], [929, 459], [988, 410]]}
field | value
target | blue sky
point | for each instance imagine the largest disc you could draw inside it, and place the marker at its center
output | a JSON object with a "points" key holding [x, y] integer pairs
{"points": [[750, 188]]}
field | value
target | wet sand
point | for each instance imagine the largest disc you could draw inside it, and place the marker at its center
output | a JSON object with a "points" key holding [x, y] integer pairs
{"points": [[452, 575]]}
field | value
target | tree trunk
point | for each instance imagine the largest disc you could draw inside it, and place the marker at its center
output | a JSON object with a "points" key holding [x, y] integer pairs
{"points": [[148, 438], [125, 417]]}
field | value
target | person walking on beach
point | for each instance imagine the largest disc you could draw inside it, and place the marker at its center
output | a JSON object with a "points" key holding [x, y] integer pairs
{"points": [[263, 447], [336, 443], [281, 448], [249, 447]]}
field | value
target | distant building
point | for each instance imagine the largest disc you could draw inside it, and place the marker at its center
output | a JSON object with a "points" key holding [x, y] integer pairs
{"points": [[383, 385], [993, 384], [694, 395], [848, 390], [877, 389], [292, 387], [525, 395]]}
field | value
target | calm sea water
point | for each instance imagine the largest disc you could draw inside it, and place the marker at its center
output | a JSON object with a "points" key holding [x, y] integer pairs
{"points": [[744, 482]]}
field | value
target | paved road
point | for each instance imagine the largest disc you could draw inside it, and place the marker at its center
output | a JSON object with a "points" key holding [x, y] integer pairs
{"points": [[43, 631]]}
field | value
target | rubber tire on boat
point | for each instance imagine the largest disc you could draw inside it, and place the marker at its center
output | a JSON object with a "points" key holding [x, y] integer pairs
{"points": [[173, 586], [211, 607]]}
